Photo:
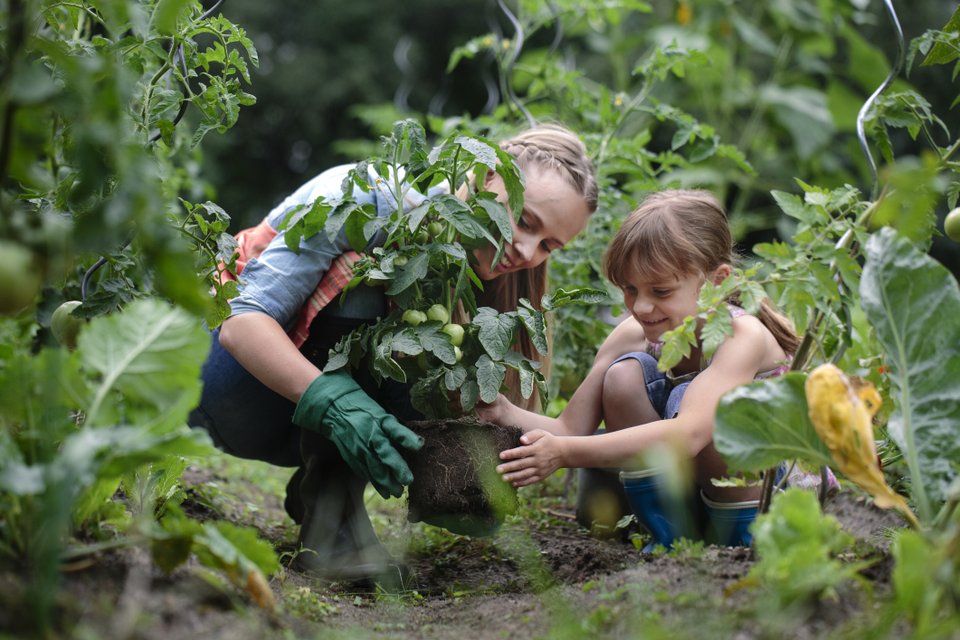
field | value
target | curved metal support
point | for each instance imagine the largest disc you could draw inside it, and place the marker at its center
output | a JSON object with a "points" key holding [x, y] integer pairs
{"points": [[861, 116]]}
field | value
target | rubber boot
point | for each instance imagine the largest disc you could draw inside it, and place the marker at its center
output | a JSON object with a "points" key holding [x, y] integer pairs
{"points": [[728, 523], [337, 539], [601, 502], [293, 501], [666, 517]]}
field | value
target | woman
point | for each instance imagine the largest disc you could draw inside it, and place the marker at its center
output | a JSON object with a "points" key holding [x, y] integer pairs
{"points": [[264, 396]]}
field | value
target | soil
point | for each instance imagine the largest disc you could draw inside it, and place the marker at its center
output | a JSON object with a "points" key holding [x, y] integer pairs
{"points": [[540, 575], [455, 484]]}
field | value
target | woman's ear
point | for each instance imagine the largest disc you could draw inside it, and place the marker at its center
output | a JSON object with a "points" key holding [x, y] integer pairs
{"points": [[487, 179], [721, 273]]}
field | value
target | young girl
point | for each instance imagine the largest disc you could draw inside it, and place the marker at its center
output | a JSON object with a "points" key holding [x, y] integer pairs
{"points": [[661, 257]]}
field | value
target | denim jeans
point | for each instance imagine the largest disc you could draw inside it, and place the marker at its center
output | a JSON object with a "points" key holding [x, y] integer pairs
{"points": [[664, 397], [248, 420]]}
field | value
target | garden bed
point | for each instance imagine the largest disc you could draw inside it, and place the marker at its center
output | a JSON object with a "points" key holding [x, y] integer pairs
{"points": [[539, 574]]}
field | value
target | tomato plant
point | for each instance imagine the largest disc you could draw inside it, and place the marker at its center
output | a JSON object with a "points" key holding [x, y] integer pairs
{"points": [[429, 277]]}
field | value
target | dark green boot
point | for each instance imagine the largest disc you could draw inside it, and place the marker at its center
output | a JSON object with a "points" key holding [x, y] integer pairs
{"points": [[337, 539]]}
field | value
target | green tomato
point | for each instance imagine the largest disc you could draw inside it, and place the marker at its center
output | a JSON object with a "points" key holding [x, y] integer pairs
{"points": [[422, 236], [399, 261], [65, 326], [457, 353], [439, 313], [952, 225], [20, 279], [414, 317], [455, 332], [435, 229]]}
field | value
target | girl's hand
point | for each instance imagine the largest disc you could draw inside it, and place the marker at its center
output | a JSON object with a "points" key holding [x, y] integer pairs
{"points": [[540, 454]]}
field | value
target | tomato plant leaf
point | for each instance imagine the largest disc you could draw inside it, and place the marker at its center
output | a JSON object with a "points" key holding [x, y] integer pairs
{"points": [[435, 342], [454, 378], [408, 274], [496, 331], [490, 377], [535, 325]]}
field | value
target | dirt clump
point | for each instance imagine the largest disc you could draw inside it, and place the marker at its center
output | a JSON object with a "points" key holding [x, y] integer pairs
{"points": [[455, 482]]}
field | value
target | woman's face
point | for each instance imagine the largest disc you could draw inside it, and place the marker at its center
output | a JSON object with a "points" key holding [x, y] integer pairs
{"points": [[553, 213]]}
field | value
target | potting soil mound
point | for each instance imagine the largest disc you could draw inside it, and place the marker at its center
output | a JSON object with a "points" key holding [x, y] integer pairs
{"points": [[455, 482]]}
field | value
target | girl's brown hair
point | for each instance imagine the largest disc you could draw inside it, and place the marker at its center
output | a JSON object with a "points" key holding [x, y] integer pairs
{"points": [[682, 232], [544, 146]]}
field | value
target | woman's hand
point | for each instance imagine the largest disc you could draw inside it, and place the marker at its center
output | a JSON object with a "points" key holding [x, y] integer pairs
{"points": [[493, 412], [540, 454]]}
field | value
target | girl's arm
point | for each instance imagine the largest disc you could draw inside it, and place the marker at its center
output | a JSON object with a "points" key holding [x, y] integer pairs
{"points": [[736, 362], [585, 410]]}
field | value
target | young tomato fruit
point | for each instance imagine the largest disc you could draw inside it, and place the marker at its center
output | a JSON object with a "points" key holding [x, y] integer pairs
{"points": [[414, 317], [952, 225], [20, 279], [455, 332], [65, 326], [435, 229], [457, 353], [439, 313], [399, 261]]}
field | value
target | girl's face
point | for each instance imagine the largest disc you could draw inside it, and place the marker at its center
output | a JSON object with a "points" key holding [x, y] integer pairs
{"points": [[553, 214], [660, 305]]}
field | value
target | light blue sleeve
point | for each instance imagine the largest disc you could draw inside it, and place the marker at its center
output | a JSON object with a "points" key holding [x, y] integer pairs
{"points": [[279, 281]]}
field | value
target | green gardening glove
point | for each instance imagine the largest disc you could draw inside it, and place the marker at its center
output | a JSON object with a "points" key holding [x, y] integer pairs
{"points": [[366, 436]]}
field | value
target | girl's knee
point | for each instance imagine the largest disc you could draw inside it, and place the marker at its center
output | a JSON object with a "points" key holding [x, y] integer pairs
{"points": [[622, 380]]}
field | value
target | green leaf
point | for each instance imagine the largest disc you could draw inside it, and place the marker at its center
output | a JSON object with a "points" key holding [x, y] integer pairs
{"points": [[410, 273], [716, 328], [496, 331], [151, 353], [498, 213], [436, 342], [580, 295], [535, 325], [406, 342], [385, 364], [490, 377], [913, 304], [795, 207], [167, 13], [761, 424], [513, 180], [484, 152], [454, 378], [942, 53], [803, 112], [915, 561], [456, 212]]}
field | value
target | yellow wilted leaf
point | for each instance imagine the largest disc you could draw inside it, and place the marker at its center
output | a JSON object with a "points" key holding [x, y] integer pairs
{"points": [[841, 413], [259, 590]]}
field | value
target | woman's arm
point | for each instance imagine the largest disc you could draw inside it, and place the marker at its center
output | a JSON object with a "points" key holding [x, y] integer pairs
{"points": [[736, 362], [262, 347]]}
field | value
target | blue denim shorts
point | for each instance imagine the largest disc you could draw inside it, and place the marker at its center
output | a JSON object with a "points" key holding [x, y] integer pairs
{"points": [[664, 395]]}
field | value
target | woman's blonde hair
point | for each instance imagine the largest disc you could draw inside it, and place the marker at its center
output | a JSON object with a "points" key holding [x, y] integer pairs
{"points": [[544, 146], [683, 232]]}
